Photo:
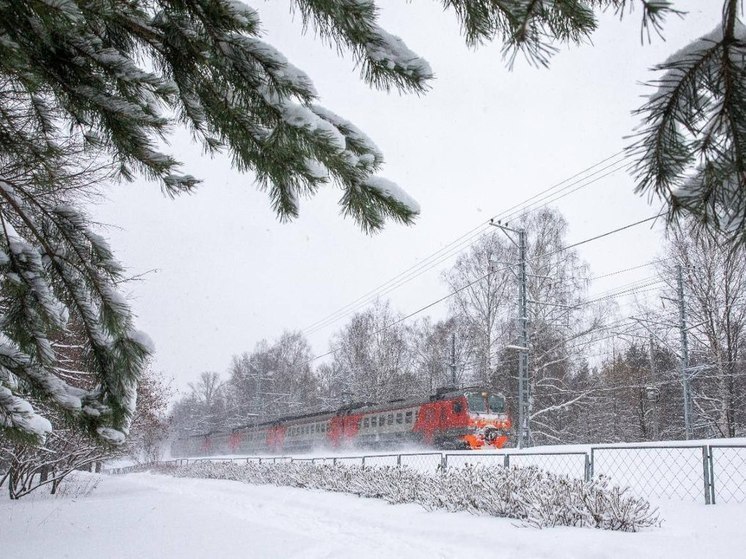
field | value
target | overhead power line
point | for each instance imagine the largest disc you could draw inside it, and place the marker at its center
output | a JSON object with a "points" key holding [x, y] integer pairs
{"points": [[471, 236], [469, 284]]}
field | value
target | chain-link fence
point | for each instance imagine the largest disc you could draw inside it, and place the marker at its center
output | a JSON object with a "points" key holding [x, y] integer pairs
{"points": [[490, 460], [382, 460], [663, 472], [571, 464], [428, 462], [709, 473], [728, 473]]}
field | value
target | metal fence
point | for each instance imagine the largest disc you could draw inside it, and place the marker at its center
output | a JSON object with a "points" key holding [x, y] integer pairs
{"points": [[703, 473], [667, 472], [727, 473]]}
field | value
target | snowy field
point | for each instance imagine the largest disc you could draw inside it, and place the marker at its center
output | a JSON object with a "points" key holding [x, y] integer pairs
{"points": [[151, 516]]}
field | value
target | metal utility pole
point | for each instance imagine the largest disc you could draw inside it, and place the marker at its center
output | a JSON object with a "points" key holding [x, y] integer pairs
{"points": [[524, 396], [653, 392], [258, 404], [524, 429], [453, 359], [684, 356]]}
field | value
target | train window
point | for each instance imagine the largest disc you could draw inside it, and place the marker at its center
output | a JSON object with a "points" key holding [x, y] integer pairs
{"points": [[408, 417], [477, 402], [457, 407], [366, 423], [399, 418], [390, 419], [497, 403], [318, 428], [374, 421]]}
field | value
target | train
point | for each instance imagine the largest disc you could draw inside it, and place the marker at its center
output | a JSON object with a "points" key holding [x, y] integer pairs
{"points": [[453, 418]]}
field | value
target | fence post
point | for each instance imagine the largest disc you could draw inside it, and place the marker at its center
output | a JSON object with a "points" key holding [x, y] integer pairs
{"points": [[591, 471], [706, 474], [362, 463], [709, 471], [712, 475], [398, 460], [444, 461], [588, 473], [506, 461], [334, 461]]}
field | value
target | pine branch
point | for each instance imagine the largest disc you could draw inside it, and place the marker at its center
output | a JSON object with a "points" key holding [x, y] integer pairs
{"points": [[692, 149]]}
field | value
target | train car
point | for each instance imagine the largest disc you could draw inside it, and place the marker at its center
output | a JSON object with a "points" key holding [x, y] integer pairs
{"points": [[467, 418]]}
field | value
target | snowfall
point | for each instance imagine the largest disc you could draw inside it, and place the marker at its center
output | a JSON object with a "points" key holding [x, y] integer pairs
{"points": [[147, 516]]}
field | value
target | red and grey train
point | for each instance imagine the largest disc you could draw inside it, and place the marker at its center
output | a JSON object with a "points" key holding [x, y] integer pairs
{"points": [[468, 418]]}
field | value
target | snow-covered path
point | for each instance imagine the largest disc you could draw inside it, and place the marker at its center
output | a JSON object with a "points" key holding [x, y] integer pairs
{"points": [[149, 516]]}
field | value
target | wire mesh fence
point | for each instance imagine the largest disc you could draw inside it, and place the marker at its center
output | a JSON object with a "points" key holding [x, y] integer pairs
{"points": [[461, 460], [350, 460], [429, 462], [662, 472], [570, 464], [382, 460], [728, 473], [709, 473]]}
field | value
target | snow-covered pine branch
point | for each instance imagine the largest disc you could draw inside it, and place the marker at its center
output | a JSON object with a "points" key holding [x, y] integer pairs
{"points": [[58, 284], [691, 148], [202, 65]]}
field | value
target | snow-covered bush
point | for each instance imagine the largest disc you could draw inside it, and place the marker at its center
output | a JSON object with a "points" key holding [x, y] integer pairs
{"points": [[535, 497]]}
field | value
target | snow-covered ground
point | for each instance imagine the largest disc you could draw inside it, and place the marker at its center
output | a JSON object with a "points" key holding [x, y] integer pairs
{"points": [[151, 516]]}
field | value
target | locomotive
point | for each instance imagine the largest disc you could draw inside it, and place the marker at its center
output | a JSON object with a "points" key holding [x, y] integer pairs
{"points": [[467, 418]]}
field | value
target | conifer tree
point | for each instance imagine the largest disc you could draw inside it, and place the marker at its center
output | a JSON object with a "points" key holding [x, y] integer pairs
{"points": [[88, 83]]}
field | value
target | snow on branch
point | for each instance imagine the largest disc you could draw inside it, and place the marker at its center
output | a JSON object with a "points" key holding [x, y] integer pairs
{"points": [[17, 414], [393, 192]]}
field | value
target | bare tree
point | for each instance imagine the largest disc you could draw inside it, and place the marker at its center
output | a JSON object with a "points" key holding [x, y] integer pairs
{"points": [[715, 294], [485, 298], [376, 355]]}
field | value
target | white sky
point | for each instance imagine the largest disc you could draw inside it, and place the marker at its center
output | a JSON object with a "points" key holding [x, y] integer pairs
{"points": [[481, 141]]}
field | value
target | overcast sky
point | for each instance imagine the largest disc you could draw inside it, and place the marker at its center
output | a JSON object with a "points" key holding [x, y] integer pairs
{"points": [[484, 139]]}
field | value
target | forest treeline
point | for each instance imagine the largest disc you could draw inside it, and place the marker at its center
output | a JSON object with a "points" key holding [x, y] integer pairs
{"points": [[603, 367]]}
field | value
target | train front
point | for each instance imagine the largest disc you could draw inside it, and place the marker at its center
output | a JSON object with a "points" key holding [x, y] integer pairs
{"points": [[488, 421]]}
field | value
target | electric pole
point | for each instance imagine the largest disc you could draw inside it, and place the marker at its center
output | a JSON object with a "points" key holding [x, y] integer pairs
{"points": [[652, 392], [524, 429], [453, 359], [524, 396], [684, 356]]}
